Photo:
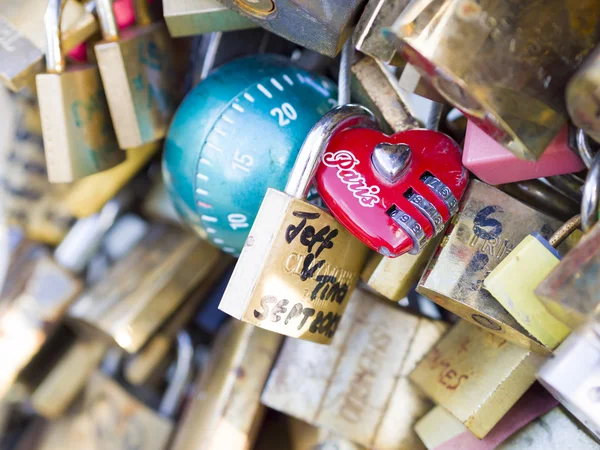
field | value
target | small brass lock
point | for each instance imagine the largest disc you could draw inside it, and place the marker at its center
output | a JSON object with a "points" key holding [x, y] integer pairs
{"points": [[298, 266], [79, 139]]}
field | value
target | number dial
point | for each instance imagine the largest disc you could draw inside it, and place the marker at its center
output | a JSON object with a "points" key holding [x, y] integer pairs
{"points": [[234, 136]]}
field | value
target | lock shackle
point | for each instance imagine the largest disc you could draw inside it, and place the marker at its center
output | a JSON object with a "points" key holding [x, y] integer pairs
{"points": [[183, 368], [584, 147], [565, 231], [108, 22], [309, 157], [591, 195], [55, 60]]}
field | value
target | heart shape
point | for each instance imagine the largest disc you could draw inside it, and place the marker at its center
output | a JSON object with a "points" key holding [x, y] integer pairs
{"points": [[392, 192]]}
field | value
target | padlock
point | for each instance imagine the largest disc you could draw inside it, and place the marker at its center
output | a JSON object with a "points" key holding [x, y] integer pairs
{"points": [[494, 164], [554, 430], [388, 190], [22, 39], [570, 291], [541, 195], [513, 281], [368, 36], [30, 319], [138, 368], [411, 81], [226, 411], [52, 396], [440, 430], [487, 228], [111, 417], [298, 266], [476, 375], [376, 89], [78, 136], [319, 25], [504, 64], [582, 95], [140, 75], [573, 374], [185, 18], [146, 287], [304, 436], [217, 164], [358, 386]]}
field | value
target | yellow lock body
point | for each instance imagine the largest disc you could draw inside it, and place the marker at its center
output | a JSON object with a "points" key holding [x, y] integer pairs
{"points": [[141, 81], [282, 284], [513, 282], [78, 136]]}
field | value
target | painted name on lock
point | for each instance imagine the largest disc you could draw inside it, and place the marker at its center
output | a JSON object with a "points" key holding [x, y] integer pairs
{"points": [[345, 162]]}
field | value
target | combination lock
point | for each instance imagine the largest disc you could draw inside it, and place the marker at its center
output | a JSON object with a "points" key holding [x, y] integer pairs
{"points": [[235, 135]]}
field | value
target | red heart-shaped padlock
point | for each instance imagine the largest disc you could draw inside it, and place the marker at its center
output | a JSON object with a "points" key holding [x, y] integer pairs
{"points": [[392, 192]]}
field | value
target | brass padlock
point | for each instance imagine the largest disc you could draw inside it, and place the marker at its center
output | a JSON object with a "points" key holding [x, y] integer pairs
{"points": [[145, 287], [298, 266], [109, 417], [226, 412], [583, 98], [28, 321], [22, 39], [476, 375], [320, 25], [188, 18], [139, 74], [358, 386], [413, 82], [486, 229], [504, 64], [78, 136], [368, 36]]}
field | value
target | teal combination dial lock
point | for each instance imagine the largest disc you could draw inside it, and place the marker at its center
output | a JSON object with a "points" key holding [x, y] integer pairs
{"points": [[236, 134]]}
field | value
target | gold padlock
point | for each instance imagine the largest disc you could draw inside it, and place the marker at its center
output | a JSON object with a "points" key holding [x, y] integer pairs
{"points": [[22, 39], [476, 375], [78, 136], [188, 18], [358, 386], [226, 412], [139, 74], [487, 228], [505, 64], [28, 321], [299, 266], [145, 287]]}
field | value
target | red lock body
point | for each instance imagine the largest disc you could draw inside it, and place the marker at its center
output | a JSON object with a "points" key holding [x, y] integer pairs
{"points": [[363, 199]]}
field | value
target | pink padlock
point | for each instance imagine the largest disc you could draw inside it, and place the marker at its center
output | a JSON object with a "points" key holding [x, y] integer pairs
{"points": [[493, 164]]}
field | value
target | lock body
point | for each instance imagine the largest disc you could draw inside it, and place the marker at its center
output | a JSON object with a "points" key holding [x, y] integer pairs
{"points": [[583, 96], [494, 164], [226, 411], [304, 436], [505, 65], [296, 271], [476, 375], [358, 386], [140, 79], [513, 282], [573, 374], [570, 291], [368, 37], [146, 287], [23, 41], [487, 228], [319, 25], [78, 137], [185, 18]]}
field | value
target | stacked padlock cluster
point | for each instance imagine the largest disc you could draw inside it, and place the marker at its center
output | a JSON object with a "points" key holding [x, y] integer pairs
{"points": [[300, 224]]}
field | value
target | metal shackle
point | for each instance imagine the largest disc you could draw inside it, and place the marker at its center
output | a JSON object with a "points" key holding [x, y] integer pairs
{"points": [[591, 195], [108, 22], [55, 61], [309, 156], [181, 376]]}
